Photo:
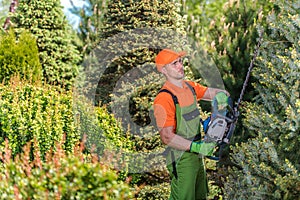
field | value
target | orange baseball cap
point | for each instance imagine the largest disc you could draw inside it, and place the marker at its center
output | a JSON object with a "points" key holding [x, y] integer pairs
{"points": [[166, 56]]}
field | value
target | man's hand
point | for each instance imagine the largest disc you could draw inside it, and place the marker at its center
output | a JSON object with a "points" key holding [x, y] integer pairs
{"points": [[222, 100], [203, 148]]}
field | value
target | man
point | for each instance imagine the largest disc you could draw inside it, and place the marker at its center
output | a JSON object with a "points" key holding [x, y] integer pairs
{"points": [[178, 119]]}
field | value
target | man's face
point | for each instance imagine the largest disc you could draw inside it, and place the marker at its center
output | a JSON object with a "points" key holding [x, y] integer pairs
{"points": [[174, 70]]}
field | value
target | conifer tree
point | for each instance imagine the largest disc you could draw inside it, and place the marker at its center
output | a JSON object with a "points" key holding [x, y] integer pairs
{"points": [[199, 16], [46, 21], [19, 57], [129, 16], [233, 38], [278, 74], [91, 21], [270, 162]]}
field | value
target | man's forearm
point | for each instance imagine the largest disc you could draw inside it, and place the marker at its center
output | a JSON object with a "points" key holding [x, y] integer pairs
{"points": [[180, 143], [211, 93], [171, 139]]}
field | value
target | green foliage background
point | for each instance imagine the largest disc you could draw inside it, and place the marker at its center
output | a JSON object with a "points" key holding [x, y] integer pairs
{"points": [[55, 142]]}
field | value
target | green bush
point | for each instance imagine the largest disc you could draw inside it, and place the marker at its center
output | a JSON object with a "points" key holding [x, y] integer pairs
{"points": [[36, 111], [113, 131], [19, 56], [262, 175], [156, 192], [62, 176]]}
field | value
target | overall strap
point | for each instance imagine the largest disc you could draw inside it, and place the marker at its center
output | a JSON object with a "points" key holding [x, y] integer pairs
{"points": [[174, 97], [191, 88]]}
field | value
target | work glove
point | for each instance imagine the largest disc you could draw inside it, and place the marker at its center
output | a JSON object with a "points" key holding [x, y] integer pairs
{"points": [[220, 104], [222, 100], [203, 148]]}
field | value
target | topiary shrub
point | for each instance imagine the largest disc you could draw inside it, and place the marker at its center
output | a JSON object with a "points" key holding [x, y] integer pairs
{"points": [[63, 175], [19, 56], [36, 111]]}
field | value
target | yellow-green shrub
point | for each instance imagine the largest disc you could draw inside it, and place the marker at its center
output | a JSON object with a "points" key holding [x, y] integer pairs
{"points": [[36, 111], [19, 56]]}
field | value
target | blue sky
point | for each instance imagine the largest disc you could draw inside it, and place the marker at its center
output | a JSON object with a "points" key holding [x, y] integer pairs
{"points": [[72, 18]]}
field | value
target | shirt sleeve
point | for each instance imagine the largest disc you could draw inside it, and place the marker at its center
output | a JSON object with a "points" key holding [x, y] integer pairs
{"points": [[199, 89], [164, 110]]}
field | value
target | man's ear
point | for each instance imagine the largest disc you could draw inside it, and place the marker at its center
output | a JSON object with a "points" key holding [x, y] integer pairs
{"points": [[163, 71]]}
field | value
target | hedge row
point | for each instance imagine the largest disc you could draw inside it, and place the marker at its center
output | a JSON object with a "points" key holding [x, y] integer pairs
{"points": [[36, 111], [62, 175]]}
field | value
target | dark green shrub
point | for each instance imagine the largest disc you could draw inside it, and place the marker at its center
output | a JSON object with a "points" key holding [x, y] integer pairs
{"points": [[19, 56], [57, 53], [62, 176], [36, 111]]}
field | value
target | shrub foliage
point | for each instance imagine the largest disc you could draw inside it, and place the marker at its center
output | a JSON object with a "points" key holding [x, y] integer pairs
{"points": [[46, 21], [62, 175], [19, 56], [35, 111], [269, 163]]}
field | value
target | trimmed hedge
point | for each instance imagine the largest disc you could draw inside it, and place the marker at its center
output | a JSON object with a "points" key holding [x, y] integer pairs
{"points": [[36, 111]]}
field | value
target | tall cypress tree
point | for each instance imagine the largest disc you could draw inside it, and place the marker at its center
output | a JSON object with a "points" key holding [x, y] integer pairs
{"points": [[132, 16], [270, 162], [46, 21]]}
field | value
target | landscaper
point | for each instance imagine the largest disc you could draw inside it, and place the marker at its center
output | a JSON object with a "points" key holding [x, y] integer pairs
{"points": [[178, 119]]}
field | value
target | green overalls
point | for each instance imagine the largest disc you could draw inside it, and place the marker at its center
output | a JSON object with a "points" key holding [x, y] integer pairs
{"points": [[188, 176]]}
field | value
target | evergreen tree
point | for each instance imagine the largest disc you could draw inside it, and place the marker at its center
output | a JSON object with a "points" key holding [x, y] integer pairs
{"points": [[233, 38], [19, 57], [138, 23], [199, 16], [278, 74], [263, 175], [46, 21], [270, 162]]}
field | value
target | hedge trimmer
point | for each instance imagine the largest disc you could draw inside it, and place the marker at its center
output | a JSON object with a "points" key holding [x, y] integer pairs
{"points": [[219, 127]]}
